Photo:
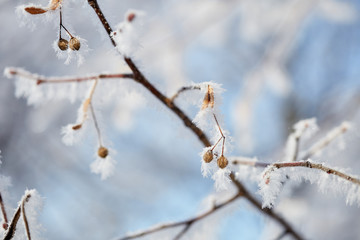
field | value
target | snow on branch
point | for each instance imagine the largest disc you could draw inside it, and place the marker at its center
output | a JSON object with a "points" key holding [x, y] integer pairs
{"points": [[274, 176], [330, 137], [38, 89], [310, 164]]}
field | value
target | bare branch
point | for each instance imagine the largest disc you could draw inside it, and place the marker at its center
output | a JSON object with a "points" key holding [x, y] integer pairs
{"points": [[2, 205], [248, 162], [187, 223]]}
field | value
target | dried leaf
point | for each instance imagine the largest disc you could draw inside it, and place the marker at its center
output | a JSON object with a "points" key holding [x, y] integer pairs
{"points": [[54, 4], [35, 10], [208, 99]]}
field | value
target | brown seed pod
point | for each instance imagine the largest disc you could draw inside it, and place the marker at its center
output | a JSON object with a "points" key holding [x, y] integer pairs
{"points": [[103, 152], [208, 156], [222, 161], [77, 126], [74, 44], [131, 17], [63, 44]]}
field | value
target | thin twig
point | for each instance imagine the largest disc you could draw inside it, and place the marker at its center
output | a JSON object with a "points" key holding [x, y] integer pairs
{"points": [[26, 223], [9, 234], [183, 89], [319, 166], [187, 223], [222, 135], [96, 124], [245, 161], [41, 80], [2, 205], [283, 234], [297, 148], [322, 143], [306, 164]]}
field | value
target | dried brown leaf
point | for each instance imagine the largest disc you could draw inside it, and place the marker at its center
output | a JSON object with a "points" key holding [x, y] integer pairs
{"points": [[208, 99], [35, 10]]}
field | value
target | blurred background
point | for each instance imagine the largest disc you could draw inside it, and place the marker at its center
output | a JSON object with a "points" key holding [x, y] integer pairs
{"points": [[279, 62]]}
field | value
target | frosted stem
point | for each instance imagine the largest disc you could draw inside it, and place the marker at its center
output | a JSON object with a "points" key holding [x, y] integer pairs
{"points": [[318, 166], [41, 80], [9, 234], [322, 143]]}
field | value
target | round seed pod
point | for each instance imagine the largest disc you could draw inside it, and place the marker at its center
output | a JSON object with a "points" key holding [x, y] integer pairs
{"points": [[222, 161], [74, 44], [208, 156], [63, 44], [103, 152]]}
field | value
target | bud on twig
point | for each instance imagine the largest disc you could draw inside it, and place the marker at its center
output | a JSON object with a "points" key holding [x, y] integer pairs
{"points": [[208, 156], [103, 152], [222, 161], [131, 17], [63, 44], [74, 44]]}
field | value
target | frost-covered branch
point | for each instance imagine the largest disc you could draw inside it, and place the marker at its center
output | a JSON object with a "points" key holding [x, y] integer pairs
{"points": [[140, 78], [10, 72], [322, 143], [9, 234], [186, 223], [23, 213], [309, 164]]}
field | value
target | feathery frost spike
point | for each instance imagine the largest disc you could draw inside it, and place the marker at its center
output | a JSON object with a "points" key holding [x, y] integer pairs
{"points": [[103, 166], [222, 179]]}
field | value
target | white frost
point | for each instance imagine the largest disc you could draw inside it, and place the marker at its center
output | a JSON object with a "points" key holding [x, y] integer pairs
{"points": [[103, 166], [128, 33], [222, 179]]}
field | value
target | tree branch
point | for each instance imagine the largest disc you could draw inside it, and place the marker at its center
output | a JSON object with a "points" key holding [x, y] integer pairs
{"points": [[322, 143], [319, 166], [140, 78], [2, 205], [41, 79], [267, 211], [9, 234], [187, 223]]}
